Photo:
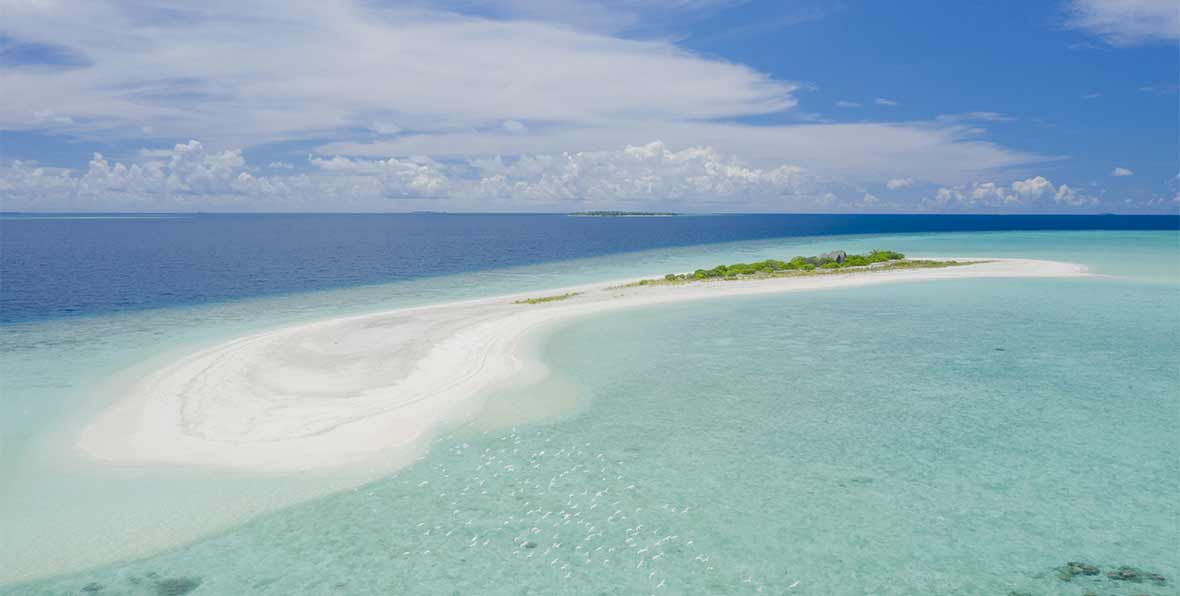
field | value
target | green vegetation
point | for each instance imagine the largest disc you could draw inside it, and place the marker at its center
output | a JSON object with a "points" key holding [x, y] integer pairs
{"points": [[542, 299], [621, 214], [795, 264], [836, 262]]}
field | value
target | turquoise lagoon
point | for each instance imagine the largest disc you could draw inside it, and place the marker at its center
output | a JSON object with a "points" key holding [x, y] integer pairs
{"points": [[965, 437]]}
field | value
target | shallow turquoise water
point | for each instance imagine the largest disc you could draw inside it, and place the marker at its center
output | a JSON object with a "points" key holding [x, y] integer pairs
{"points": [[953, 437]]}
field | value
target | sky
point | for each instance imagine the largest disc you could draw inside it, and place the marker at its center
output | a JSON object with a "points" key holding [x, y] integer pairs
{"points": [[921, 106]]}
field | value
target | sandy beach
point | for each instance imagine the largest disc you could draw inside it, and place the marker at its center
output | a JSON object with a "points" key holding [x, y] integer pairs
{"points": [[379, 387]]}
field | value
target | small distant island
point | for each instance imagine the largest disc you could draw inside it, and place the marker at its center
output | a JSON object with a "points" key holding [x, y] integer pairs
{"points": [[829, 263], [621, 214], [836, 261]]}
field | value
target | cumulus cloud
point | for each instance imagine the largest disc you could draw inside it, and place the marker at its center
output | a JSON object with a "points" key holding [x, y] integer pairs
{"points": [[187, 173], [374, 82], [1032, 188], [189, 170], [1127, 22], [636, 174], [1036, 193], [417, 177], [684, 174], [857, 152], [1067, 196], [1121, 172], [191, 177]]}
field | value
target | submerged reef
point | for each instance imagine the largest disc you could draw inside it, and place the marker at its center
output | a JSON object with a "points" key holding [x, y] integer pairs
{"points": [[1138, 576], [1114, 575], [1074, 568], [177, 586], [168, 586]]}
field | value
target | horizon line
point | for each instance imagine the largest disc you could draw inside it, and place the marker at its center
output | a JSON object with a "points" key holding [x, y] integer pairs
{"points": [[672, 213]]}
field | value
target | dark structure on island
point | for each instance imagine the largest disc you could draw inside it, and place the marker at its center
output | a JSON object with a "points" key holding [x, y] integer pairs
{"points": [[837, 256]]}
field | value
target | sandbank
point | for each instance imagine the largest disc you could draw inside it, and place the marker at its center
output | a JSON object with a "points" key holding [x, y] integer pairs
{"points": [[379, 387]]}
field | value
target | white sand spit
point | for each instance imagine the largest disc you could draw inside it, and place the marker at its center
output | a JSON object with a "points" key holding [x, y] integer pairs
{"points": [[379, 387]]}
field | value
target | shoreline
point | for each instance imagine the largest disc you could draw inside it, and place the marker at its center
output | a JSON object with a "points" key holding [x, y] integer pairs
{"points": [[376, 389]]}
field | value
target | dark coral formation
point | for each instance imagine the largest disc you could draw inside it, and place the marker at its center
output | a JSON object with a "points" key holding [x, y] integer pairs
{"points": [[1138, 576], [177, 586], [1074, 568], [1123, 573]]}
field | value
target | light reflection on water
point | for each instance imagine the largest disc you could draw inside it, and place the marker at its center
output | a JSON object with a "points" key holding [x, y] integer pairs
{"points": [[687, 433]]}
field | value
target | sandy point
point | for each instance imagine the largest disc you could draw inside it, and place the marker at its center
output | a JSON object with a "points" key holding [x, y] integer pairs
{"points": [[379, 387]]}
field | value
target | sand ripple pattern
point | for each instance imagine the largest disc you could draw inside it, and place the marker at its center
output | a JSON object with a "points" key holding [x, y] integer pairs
{"points": [[379, 387]]}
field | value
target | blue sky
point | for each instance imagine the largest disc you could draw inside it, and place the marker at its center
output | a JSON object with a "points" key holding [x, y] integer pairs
{"points": [[523, 105]]}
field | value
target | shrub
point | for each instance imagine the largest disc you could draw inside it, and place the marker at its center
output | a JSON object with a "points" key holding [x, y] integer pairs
{"points": [[544, 299], [795, 264]]}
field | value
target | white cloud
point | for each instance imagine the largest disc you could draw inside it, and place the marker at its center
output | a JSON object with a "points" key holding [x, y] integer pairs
{"points": [[513, 126], [606, 16], [186, 174], [190, 177], [864, 152], [847, 104], [385, 128], [1036, 193], [881, 101], [420, 177], [380, 84], [899, 183], [1068, 196], [1032, 188], [976, 117], [1160, 89], [636, 174], [246, 73], [1127, 22], [49, 118], [1121, 172], [190, 169]]}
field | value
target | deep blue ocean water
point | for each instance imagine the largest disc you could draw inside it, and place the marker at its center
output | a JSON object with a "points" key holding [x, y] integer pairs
{"points": [[65, 265]]}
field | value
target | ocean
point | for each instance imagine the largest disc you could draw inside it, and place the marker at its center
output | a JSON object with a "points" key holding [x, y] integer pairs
{"points": [[67, 265], [965, 437]]}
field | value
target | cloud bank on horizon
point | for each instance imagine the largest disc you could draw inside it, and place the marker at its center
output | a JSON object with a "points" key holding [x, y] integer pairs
{"points": [[538, 106]]}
